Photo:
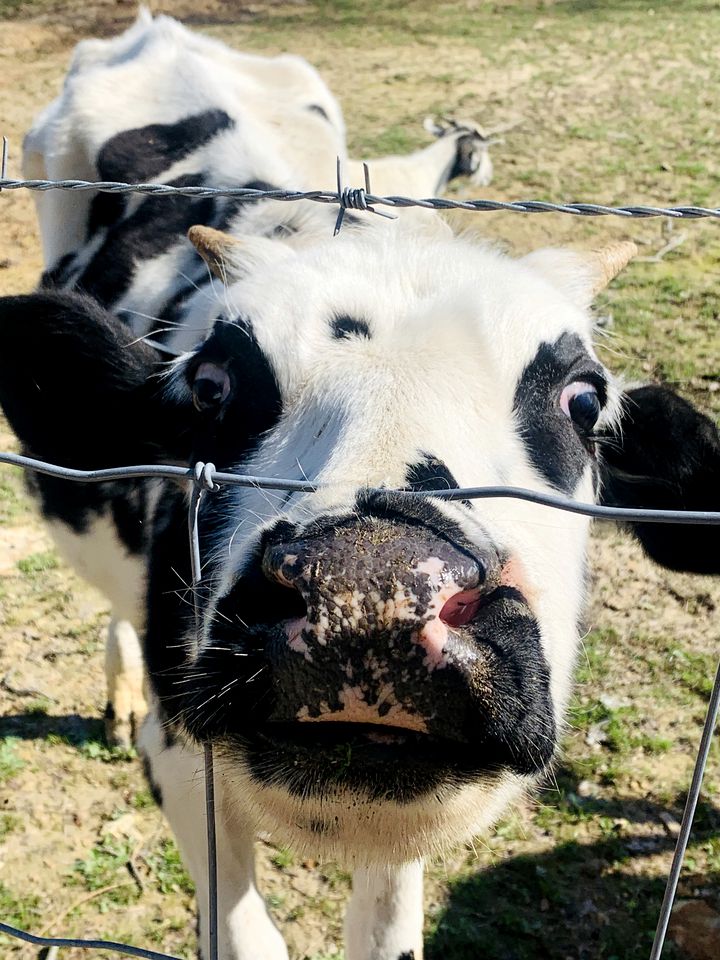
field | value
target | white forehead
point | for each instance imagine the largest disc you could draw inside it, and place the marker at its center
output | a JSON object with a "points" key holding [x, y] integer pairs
{"points": [[431, 305]]}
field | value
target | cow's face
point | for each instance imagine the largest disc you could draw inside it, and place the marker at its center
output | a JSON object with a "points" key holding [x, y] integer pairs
{"points": [[371, 662]]}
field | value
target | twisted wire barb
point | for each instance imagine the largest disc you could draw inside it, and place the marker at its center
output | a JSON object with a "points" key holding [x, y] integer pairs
{"points": [[346, 198]]}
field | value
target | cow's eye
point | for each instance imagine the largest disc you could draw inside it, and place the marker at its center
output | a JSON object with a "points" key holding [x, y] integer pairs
{"points": [[210, 386], [580, 402]]}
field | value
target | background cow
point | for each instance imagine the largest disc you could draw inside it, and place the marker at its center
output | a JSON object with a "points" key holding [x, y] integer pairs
{"points": [[379, 675]]}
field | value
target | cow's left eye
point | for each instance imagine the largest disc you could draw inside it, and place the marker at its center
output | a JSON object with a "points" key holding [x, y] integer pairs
{"points": [[210, 386], [580, 402]]}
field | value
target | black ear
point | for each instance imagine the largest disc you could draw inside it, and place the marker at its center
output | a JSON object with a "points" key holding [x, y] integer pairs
{"points": [[77, 388], [666, 455]]}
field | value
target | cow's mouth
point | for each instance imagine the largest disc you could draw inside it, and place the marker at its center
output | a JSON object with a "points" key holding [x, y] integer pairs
{"points": [[378, 762], [329, 736]]}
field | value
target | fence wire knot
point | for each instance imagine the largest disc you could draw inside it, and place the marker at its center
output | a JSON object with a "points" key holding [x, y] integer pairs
{"points": [[204, 476], [355, 198]]}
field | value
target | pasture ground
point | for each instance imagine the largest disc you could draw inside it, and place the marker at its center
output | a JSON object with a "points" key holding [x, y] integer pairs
{"points": [[615, 101]]}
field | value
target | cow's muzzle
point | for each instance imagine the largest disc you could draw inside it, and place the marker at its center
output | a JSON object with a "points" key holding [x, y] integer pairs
{"points": [[400, 636]]}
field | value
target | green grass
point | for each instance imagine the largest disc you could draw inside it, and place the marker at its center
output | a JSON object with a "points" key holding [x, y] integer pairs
{"points": [[38, 562], [168, 869], [8, 824], [107, 866], [143, 800], [283, 858], [18, 911], [10, 763]]}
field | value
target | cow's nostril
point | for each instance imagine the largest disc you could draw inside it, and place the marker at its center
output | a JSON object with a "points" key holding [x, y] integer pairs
{"points": [[260, 599], [461, 608]]}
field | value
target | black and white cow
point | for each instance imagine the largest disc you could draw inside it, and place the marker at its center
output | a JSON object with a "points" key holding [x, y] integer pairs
{"points": [[379, 675], [215, 117]]}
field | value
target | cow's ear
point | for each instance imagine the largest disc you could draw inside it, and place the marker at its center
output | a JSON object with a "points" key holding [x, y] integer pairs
{"points": [[582, 275], [79, 389], [665, 454], [230, 258]]}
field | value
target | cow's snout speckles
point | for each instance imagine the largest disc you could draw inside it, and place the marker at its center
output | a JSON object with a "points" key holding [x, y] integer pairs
{"points": [[375, 645]]}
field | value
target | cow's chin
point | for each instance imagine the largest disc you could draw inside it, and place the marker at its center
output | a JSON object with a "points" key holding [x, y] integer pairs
{"points": [[355, 826]]}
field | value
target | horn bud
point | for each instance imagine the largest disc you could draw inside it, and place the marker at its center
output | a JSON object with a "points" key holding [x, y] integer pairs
{"points": [[609, 261], [215, 247]]}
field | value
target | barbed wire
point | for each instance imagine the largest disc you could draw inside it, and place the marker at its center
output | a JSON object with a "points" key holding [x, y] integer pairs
{"points": [[360, 199]]}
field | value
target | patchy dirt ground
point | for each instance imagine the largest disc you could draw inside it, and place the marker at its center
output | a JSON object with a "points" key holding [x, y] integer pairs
{"points": [[614, 101]]}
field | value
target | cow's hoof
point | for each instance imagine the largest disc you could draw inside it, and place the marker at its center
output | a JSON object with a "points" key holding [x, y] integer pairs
{"points": [[122, 731]]}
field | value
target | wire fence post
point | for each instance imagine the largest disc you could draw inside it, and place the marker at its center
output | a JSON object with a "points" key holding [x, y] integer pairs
{"points": [[687, 820], [202, 482]]}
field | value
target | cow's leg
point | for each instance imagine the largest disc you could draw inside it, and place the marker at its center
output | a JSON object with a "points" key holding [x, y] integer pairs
{"points": [[384, 919], [176, 773], [126, 706]]}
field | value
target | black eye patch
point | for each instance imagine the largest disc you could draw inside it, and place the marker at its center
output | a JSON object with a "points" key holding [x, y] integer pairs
{"points": [[429, 473], [234, 388], [549, 436]]}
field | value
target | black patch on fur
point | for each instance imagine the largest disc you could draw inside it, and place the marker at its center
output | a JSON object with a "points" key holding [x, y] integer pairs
{"points": [[154, 786], [407, 955], [58, 275], [343, 328], [665, 456], [169, 599], [109, 713], [158, 224], [225, 436], [552, 442], [78, 393], [105, 210], [78, 390], [144, 153], [320, 111], [431, 474], [464, 164]]}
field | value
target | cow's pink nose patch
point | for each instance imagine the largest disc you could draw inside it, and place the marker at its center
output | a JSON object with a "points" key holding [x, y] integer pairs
{"points": [[461, 608]]}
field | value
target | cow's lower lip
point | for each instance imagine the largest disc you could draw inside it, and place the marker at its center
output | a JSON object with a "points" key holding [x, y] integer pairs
{"points": [[379, 763]]}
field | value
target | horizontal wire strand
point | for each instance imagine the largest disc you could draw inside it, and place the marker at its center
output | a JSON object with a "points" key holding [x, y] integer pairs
{"points": [[554, 501], [578, 209]]}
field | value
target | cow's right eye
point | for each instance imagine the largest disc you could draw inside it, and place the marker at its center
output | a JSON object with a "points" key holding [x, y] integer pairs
{"points": [[210, 386]]}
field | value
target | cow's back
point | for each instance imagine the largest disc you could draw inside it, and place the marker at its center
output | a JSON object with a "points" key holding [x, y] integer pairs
{"points": [[159, 104]]}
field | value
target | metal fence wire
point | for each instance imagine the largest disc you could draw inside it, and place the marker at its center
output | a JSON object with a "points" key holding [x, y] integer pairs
{"points": [[203, 479]]}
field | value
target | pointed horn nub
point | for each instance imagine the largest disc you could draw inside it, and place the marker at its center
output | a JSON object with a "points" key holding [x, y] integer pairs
{"points": [[214, 247], [609, 261]]}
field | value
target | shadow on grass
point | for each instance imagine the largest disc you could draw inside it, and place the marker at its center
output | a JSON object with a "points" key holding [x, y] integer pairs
{"points": [[85, 734], [581, 900]]}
